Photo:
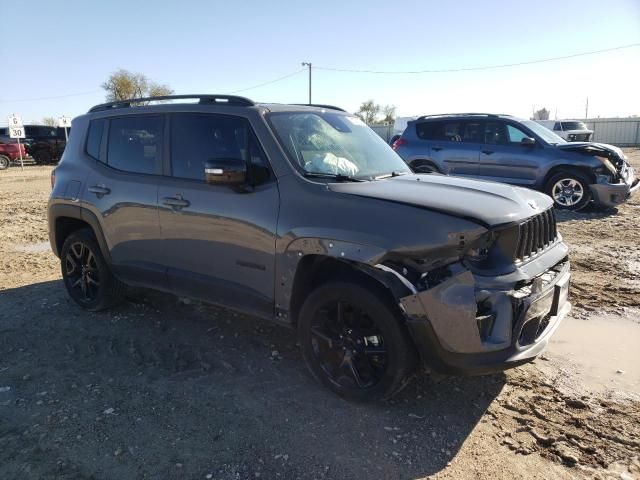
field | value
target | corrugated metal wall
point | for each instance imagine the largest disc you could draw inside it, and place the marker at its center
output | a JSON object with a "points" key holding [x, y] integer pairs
{"points": [[623, 132], [385, 131]]}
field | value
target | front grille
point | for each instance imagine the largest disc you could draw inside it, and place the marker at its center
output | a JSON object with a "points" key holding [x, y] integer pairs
{"points": [[536, 234]]}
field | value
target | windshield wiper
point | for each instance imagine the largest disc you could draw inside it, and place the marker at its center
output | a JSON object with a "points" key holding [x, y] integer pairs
{"points": [[336, 176], [392, 174]]}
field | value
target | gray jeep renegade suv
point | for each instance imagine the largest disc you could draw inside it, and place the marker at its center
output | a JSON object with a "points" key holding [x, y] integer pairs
{"points": [[304, 216]]}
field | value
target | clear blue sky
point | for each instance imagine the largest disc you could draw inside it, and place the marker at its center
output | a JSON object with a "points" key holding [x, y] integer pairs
{"points": [[69, 47]]}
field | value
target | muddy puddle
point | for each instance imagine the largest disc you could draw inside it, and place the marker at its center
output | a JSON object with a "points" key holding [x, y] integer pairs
{"points": [[602, 353], [40, 247]]}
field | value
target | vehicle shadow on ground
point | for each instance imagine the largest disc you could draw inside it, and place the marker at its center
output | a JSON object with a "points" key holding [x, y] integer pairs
{"points": [[590, 212], [159, 388]]}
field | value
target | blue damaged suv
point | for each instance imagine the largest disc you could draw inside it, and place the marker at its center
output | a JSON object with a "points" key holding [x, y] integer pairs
{"points": [[507, 149]]}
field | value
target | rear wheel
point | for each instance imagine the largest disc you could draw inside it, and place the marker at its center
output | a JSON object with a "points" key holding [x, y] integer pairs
{"points": [[86, 275], [569, 191], [353, 342], [4, 162], [424, 166]]}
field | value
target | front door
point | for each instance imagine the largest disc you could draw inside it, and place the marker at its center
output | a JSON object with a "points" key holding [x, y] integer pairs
{"points": [[504, 158], [219, 241]]}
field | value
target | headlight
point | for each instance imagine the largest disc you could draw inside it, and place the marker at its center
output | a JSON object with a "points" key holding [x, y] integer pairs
{"points": [[478, 252], [607, 163]]}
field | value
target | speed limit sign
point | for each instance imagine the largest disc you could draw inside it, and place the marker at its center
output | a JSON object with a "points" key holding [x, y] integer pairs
{"points": [[16, 132], [64, 122], [15, 121]]}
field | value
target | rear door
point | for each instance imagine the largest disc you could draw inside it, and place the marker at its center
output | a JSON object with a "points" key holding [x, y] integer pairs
{"points": [[219, 241], [454, 145], [503, 157], [122, 191]]}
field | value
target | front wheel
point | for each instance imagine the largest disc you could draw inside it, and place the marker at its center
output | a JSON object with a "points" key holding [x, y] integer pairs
{"points": [[569, 191], [4, 162], [86, 275], [354, 343]]}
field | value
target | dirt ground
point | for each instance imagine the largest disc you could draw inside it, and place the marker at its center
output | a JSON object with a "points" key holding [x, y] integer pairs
{"points": [[167, 388]]}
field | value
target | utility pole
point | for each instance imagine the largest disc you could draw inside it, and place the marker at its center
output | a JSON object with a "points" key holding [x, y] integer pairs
{"points": [[586, 109], [308, 64]]}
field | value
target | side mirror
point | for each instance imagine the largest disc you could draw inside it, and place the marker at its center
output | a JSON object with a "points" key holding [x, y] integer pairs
{"points": [[225, 171], [528, 141]]}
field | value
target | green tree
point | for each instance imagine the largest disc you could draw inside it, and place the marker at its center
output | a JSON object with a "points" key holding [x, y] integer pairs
{"points": [[49, 121], [123, 85], [368, 112]]}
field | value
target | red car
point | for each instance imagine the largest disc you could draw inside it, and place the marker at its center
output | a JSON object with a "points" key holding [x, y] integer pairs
{"points": [[9, 152]]}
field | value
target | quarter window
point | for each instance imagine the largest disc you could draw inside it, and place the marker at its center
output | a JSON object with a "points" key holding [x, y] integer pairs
{"points": [[94, 138], [135, 144]]}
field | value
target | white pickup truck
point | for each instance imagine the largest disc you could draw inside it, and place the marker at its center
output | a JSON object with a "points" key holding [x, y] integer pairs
{"points": [[570, 130]]}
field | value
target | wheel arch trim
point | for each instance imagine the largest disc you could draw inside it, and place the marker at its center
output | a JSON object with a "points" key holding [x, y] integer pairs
{"points": [[75, 212]]}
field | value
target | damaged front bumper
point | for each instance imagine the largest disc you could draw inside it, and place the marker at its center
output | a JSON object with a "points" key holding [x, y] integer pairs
{"points": [[470, 324], [612, 194]]}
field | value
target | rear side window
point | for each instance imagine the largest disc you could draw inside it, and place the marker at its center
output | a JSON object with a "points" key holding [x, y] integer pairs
{"points": [[443, 131], [196, 138], [94, 138], [135, 144], [472, 132]]}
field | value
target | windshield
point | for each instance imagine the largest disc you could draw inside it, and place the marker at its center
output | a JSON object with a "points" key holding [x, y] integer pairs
{"points": [[335, 144], [543, 132], [574, 126]]}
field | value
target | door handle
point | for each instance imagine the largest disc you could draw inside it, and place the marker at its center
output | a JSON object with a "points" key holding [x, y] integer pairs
{"points": [[487, 152], [176, 202], [99, 190], [436, 149]]}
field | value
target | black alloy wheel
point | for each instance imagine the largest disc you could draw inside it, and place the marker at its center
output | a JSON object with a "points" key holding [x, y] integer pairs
{"points": [[86, 274], [354, 341]]}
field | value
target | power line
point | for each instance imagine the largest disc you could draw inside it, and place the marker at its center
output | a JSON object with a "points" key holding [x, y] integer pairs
{"points": [[49, 98], [270, 81], [98, 91], [487, 67]]}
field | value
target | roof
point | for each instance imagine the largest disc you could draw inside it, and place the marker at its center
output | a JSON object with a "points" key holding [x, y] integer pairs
{"points": [[473, 114], [207, 99]]}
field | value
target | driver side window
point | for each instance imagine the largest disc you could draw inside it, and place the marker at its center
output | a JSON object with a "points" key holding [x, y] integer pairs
{"points": [[515, 134]]}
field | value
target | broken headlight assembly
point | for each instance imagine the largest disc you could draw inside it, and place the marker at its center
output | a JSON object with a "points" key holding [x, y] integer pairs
{"points": [[479, 252]]}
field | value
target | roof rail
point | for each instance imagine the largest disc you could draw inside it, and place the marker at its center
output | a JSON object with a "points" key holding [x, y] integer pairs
{"points": [[204, 99], [320, 105], [459, 115]]}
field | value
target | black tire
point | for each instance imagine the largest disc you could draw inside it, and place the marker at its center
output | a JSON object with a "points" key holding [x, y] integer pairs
{"points": [[4, 162], [424, 166], [42, 156], [87, 277], [577, 194], [380, 356]]}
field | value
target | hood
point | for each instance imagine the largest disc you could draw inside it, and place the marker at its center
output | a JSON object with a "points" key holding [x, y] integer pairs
{"points": [[489, 203], [591, 147]]}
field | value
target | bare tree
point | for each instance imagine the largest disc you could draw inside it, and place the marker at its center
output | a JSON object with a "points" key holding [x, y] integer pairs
{"points": [[389, 112], [542, 114], [368, 112], [123, 85], [49, 121]]}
